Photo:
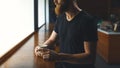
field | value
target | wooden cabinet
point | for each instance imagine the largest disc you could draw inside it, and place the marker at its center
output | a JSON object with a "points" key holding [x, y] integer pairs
{"points": [[109, 46]]}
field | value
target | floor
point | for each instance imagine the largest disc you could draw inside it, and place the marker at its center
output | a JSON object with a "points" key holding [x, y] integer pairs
{"points": [[100, 63], [24, 57]]}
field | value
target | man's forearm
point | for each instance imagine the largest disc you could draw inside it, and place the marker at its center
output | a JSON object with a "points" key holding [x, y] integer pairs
{"points": [[49, 43], [52, 39], [82, 58]]}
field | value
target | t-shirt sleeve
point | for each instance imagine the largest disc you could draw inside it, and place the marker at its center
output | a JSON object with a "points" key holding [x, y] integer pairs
{"points": [[90, 30], [56, 27]]}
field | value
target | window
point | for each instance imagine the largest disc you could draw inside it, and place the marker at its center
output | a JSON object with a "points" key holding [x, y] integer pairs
{"points": [[16, 22]]}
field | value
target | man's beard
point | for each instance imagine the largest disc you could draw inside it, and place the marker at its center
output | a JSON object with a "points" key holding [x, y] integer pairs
{"points": [[59, 9]]}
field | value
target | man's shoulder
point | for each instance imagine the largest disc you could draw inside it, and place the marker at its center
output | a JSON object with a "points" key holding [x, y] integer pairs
{"points": [[86, 15]]}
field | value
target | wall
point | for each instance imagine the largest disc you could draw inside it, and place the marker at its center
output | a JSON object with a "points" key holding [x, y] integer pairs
{"points": [[98, 8]]}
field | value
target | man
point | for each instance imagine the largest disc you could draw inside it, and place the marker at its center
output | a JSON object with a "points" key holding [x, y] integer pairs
{"points": [[76, 31]]}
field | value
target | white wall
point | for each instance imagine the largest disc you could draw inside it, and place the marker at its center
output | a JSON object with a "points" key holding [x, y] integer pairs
{"points": [[16, 22]]}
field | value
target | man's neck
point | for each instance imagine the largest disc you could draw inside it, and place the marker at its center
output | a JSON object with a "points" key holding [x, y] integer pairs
{"points": [[72, 13]]}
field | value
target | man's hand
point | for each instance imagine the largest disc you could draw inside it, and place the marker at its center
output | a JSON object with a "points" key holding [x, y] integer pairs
{"points": [[45, 53], [50, 55], [39, 50]]}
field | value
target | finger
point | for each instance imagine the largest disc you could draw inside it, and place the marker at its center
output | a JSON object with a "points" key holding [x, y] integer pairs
{"points": [[39, 53], [46, 56], [38, 49], [36, 53], [45, 49]]}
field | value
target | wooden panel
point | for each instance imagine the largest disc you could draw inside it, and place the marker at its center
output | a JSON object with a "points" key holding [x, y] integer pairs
{"points": [[114, 49], [103, 47], [109, 47]]}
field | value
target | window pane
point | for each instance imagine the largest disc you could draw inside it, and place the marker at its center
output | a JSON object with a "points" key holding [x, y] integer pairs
{"points": [[41, 12], [16, 22]]}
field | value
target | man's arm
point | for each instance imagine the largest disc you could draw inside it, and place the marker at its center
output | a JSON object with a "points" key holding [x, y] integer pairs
{"points": [[51, 40], [86, 57]]}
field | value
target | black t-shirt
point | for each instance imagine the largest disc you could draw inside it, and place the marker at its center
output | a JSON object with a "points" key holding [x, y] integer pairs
{"points": [[72, 34]]}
